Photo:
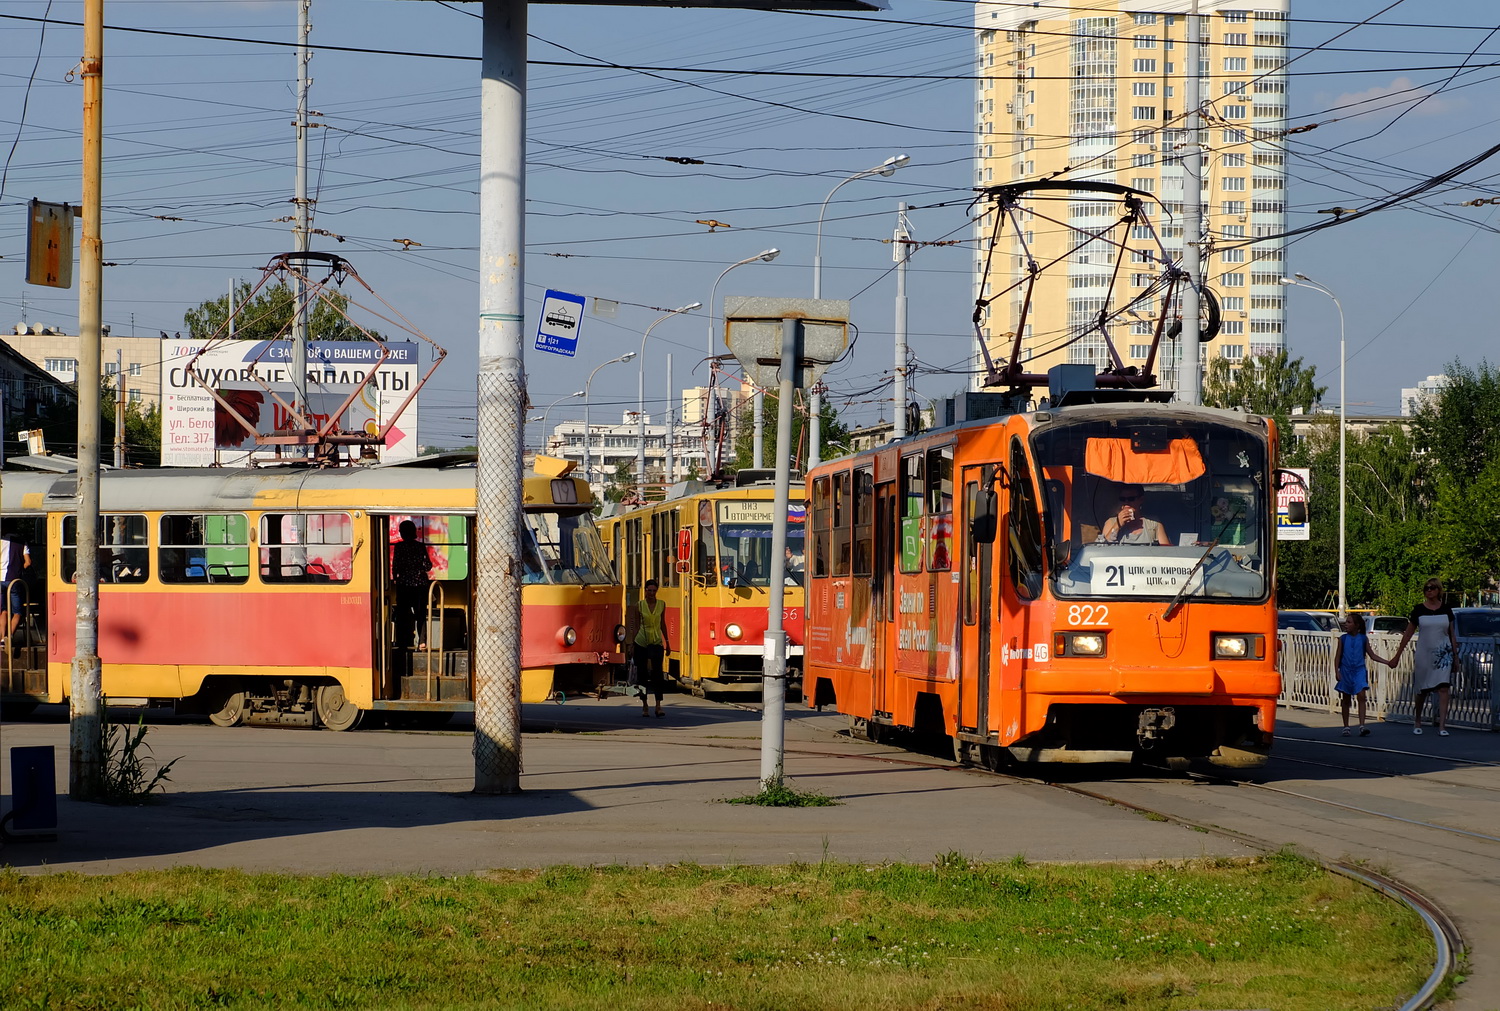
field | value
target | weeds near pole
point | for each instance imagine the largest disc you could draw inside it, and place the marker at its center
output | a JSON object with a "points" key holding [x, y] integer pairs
{"points": [[128, 778], [778, 794]]}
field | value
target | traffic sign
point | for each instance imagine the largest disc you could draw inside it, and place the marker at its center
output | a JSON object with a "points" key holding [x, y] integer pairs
{"points": [[753, 332], [562, 319]]}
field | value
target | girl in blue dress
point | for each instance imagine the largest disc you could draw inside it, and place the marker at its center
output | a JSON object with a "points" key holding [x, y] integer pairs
{"points": [[1354, 677]]}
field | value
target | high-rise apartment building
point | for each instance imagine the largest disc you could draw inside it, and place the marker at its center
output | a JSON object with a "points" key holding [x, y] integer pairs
{"points": [[1097, 88]]}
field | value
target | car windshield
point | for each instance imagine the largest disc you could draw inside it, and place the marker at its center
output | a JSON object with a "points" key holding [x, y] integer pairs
{"points": [[563, 547], [1472, 624], [745, 542], [1146, 507]]}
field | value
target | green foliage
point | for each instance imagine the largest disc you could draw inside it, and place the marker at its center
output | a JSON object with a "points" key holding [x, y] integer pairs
{"points": [[778, 794], [142, 429], [268, 316], [1270, 385], [1460, 427], [831, 431], [621, 483], [128, 778]]}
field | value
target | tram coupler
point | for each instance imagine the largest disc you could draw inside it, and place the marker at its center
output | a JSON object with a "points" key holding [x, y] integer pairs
{"points": [[1152, 726]]}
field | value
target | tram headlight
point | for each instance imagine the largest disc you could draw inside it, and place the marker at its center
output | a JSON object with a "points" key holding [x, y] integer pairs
{"points": [[567, 635], [1239, 647], [1080, 643], [734, 631], [619, 633]]}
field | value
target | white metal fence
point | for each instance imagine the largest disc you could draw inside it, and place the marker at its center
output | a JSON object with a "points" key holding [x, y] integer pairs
{"points": [[1305, 661]]}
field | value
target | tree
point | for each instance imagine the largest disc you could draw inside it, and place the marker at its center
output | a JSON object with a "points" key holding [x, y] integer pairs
{"points": [[831, 431], [142, 430], [622, 483], [1460, 427], [1270, 385], [269, 315]]}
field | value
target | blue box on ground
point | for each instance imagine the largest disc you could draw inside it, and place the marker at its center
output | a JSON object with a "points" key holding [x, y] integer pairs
{"points": [[33, 789]]}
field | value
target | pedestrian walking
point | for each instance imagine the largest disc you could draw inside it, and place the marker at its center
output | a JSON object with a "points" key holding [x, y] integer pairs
{"points": [[650, 645], [1353, 674], [1436, 656]]}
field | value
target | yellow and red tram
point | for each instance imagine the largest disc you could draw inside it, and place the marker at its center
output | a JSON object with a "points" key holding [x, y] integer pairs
{"points": [[977, 581], [265, 595], [709, 549]]}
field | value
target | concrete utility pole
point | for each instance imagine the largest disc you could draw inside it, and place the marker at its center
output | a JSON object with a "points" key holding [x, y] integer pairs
{"points": [[1189, 374], [502, 399], [85, 704], [773, 673], [669, 415], [119, 409], [901, 249], [301, 235]]}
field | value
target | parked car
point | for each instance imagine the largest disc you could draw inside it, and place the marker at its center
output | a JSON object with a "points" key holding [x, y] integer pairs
{"points": [[1476, 666], [1306, 621], [1385, 623]]}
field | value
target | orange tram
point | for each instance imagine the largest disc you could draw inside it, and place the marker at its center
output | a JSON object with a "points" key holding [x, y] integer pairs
{"points": [[709, 549], [1086, 583], [265, 596]]}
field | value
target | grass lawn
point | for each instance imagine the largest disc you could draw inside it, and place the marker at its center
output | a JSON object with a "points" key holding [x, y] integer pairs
{"points": [[1276, 933]]}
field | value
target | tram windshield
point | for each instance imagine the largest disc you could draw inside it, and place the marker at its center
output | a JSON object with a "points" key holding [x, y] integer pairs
{"points": [[745, 530], [562, 547], [1153, 508]]}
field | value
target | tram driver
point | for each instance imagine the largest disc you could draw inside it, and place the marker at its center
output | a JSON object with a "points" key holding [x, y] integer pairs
{"points": [[1128, 525]]}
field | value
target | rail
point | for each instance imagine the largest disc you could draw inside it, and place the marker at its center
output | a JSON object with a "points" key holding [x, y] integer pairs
{"points": [[1305, 662]]}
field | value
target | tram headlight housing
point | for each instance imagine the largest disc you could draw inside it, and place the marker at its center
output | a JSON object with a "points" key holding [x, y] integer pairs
{"points": [[567, 635], [733, 631], [1093, 643], [619, 633], [1239, 647]]}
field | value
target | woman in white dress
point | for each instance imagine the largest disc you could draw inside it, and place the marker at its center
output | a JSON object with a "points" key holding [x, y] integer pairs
{"points": [[1436, 658]]}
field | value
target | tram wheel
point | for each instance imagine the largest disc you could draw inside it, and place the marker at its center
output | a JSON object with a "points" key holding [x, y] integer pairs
{"points": [[335, 711], [231, 713]]}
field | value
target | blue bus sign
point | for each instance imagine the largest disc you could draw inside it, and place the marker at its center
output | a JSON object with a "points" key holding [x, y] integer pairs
{"points": [[562, 319]]}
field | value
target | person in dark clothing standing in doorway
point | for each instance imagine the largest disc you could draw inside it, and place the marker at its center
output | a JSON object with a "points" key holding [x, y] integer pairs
{"points": [[410, 565], [650, 644]]}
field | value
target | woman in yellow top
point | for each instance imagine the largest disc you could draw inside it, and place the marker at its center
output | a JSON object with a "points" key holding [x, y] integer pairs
{"points": [[650, 644]]}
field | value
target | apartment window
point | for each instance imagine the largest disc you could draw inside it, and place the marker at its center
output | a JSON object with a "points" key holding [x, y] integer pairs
{"points": [[1234, 64], [1145, 183], [1266, 302], [1270, 159], [135, 368], [1270, 87], [111, 368], [1237, 17], [1233, 87], [1269, 62], [1233, 303], [1142, 256], [1270, 38], [1140, 231], [1145, 41], [1270, 112], [1234, 231], [1267, 207], [1233, 352], [1232, 207], [1232, 184], [1264, 278], [1235, 280], [1270, 255], [62, 364], [1269, 183], [1142, 161], [1233, 161], [1232, 256], [1233, 111], [1234, 136], [1234, 38], [1145, 19], [1143, 89], [1140, 280], [1265, 326], [133, 396], [1142, 327], [1140, 112], [1144, 66], [1232, 327], [1140, 350]]}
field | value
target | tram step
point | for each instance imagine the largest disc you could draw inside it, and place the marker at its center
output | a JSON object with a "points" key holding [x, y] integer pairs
{"points": [[435, 689], [451, 663]]}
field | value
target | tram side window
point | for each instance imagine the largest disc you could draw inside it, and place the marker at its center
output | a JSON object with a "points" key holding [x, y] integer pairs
{"points": [[822, 517], [864, 522], [306, 548], [707, 560], [940, 509], [198, 548], [123, 554], [633, 552], [1024, 546], [843, 516], [912, 490], [447, 540]]}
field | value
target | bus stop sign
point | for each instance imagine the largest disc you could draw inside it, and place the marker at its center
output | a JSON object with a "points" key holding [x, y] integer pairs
{"points": [[752, 328]]}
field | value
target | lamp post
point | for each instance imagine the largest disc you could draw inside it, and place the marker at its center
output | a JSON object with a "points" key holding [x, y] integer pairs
{"points": [[587, 431], [814, 398], [548, 410], [640, 411], [1303, 281], [767, 255]]}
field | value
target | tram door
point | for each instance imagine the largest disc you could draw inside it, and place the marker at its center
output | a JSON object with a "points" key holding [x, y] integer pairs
{"points": [[978, 596], [883, 594], [426, 649]]}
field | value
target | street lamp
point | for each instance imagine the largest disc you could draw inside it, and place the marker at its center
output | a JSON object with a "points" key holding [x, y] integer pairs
{"points": [[767, 255], [640, 413], [587, 432], [548, 410], [885, 168], [1303, 281]]}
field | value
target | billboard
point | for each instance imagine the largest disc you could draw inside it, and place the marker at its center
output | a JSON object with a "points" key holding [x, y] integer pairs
{"points": [[190, 436], [1293, 491]]}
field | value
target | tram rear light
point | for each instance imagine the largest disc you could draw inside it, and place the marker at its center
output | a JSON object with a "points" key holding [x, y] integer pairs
{"points": [[734, 631], [1239, 647], [567, 635]]}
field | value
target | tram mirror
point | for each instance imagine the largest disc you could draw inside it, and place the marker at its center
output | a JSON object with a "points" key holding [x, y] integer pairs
{"points": [[982, 524]]}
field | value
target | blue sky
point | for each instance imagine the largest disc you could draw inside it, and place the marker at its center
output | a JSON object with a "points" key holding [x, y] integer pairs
{"points": [[200, 130]]}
